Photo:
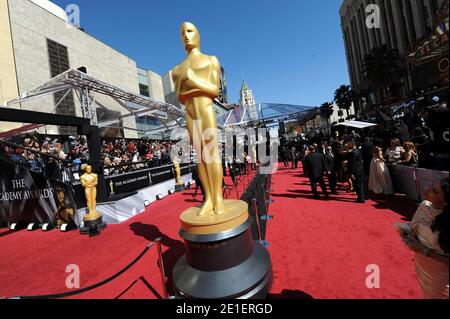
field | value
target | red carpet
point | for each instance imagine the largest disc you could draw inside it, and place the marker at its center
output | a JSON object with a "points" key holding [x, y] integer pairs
{"points": [[319, 249]]}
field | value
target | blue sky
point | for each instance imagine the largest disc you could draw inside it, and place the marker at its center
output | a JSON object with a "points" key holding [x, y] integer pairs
{"points": [[291, 51]]}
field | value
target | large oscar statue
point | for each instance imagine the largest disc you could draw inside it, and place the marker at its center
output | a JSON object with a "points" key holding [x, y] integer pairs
{"points": [[93, 221], [222, 260]]}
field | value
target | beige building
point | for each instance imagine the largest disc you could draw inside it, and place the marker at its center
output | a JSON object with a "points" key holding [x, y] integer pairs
{"points": [[37, 43], [8, 77]]}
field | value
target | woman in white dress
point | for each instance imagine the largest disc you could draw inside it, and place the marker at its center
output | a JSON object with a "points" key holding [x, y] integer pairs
{"points": [[428, 237], [380, 179]]}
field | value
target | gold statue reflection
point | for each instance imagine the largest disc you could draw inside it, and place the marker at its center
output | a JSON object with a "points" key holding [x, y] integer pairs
{"points": [[197, 82]]}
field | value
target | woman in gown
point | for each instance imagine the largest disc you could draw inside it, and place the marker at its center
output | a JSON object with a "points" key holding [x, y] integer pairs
{"points": [[428, 237], [380, 179]]}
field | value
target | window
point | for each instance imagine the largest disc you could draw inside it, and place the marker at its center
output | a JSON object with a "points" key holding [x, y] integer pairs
{"points": [[59, 63], [144, 90]]}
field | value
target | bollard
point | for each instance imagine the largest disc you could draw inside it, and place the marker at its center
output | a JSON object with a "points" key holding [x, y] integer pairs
{"points": [[258, 226]]}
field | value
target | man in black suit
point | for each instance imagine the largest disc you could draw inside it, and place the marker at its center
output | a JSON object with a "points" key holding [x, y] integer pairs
{"points": [[367, 152], [330, 168], [356, 168], [315, 167]]}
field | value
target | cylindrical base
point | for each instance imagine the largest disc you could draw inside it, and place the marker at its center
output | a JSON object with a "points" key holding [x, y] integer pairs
{"points": [[179, 187], [228, 265], [93, 227]]}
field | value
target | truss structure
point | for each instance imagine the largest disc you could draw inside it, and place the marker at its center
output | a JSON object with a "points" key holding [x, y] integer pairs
{"points": [[170, 116], [85, 87], [266, 113]]}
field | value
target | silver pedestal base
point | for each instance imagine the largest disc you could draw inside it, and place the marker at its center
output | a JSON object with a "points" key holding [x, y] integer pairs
{"points": [[223, 266]]}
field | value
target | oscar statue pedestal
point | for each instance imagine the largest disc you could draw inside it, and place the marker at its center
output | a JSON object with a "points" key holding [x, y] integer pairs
{"points": [[222, 260], [179, 187], [93, 225]]}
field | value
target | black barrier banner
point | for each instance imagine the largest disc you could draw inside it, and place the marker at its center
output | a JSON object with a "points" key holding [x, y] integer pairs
{"points": [[131, 182], [29, 197]]}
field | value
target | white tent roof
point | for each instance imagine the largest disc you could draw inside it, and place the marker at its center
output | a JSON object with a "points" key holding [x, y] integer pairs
{"points": [[356, 124]]}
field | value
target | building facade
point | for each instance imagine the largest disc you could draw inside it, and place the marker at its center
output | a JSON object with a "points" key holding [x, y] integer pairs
{"points": [[402, 24], [38, 43]]}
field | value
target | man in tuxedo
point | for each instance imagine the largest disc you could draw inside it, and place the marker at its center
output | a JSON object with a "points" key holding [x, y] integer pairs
{"points": [[356, 168], [315, 167], [330, 168]]}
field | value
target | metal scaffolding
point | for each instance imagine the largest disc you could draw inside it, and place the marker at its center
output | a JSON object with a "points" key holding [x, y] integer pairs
{"points": [[266, 113], [85, 86]]}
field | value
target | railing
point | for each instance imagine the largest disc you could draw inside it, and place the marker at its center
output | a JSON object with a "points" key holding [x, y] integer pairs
{"points": [[413, 181], [104, 282]]}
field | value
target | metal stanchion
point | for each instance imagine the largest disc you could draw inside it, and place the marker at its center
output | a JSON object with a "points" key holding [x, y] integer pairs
{"points": [[266, 205], [258, 226], [161, 265]]}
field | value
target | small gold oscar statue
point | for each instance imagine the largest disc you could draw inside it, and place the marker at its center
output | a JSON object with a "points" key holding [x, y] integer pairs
{"points": [[197, 82], [179, 185], [220, 249], [93, 220], [111, 189]]}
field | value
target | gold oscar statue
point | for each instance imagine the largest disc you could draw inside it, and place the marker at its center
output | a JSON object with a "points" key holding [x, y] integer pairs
{"points": [[197, 82], [89, 181], [177, 168]]}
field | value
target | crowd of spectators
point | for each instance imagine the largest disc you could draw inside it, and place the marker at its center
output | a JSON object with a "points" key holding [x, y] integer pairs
{"points": [[123, 156], [59, 158], [417, 138], [62, 158]]}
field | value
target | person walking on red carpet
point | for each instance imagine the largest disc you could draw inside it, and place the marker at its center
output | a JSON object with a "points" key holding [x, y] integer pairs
{"points": [[331, 170], [315, 169], [356, 169], [380, 181]]}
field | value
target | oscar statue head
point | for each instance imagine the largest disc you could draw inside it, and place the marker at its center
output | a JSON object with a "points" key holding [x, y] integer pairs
{"points": [[190, 36], [88, 169]]}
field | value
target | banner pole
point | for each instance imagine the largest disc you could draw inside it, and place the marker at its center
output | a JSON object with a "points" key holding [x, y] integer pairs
{"points": [[255, 208]]}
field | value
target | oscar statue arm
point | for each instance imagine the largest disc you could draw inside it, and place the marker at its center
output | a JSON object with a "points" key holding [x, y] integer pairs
{"points": [[176, 79], [212, 87], [83, 181], [95, 180]]}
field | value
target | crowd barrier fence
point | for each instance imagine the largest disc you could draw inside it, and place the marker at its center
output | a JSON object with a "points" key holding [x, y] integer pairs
{"points": [[413, 181]]}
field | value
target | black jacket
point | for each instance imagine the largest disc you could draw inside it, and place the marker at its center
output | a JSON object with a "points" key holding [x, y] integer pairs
{"points": [[355, 163], [329, 162], [315, 165]]}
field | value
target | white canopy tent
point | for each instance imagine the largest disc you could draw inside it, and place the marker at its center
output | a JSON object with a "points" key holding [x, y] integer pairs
{"points": [[356, 124]]}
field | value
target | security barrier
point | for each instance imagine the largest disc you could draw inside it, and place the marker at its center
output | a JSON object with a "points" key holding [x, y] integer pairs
{"points": [[413, 181]]}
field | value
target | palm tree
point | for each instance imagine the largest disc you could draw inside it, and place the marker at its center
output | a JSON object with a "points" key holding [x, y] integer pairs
{"points": [[326, 111], [383, 69], [343, 97]]}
